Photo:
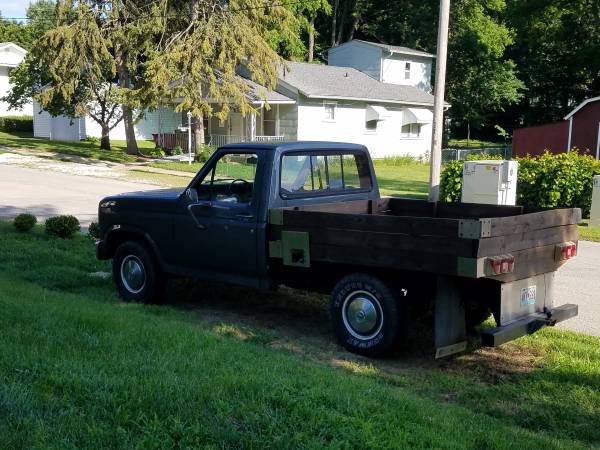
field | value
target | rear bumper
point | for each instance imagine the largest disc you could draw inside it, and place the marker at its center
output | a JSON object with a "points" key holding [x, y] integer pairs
{"points": [[528, 325]]}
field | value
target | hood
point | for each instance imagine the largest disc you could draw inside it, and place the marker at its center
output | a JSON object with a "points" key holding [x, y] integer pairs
{"points": [[162, 194]]}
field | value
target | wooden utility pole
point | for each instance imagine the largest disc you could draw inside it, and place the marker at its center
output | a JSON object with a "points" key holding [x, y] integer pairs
{"points": [[438, 103]]}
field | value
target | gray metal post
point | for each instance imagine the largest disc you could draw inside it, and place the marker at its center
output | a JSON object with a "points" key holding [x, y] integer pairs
{"points": [[189, 117]]}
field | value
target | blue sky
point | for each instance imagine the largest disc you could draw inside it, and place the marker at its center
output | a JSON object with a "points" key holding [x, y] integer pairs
{"points": [[13, 8]]}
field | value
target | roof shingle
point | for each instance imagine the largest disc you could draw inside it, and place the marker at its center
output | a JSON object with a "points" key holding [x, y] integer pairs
{"points": [[321, 81]]}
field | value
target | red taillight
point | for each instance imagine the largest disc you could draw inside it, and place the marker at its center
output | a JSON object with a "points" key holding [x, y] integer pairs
{"points": [[499, 265], [564, 251]]}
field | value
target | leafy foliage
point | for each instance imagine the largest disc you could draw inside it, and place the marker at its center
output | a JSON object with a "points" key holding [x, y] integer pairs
{"points": [[24, 222], [94, 230], [62, 226], [547, 181], [16, 123]]}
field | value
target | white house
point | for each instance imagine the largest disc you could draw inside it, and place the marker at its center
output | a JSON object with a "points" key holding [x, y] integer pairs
{"points": [[386, 63], [377, 104], [11, 56]]}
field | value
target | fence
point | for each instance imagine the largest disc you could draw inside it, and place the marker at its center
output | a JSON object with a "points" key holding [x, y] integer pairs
{"points": [[461, 154]]}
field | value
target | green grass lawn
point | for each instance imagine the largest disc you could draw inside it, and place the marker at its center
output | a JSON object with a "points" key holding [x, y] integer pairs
{"points": [[80, 369], [82, 148]]}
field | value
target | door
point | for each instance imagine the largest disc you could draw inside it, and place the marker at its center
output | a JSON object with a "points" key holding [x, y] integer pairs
{"points": [[216, 230]]}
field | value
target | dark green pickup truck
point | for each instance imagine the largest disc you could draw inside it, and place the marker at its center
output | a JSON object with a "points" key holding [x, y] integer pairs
{"points": [[308, 215]]}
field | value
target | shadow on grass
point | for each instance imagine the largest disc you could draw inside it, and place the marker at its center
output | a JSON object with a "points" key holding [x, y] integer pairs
{"points": [[515, 383]]}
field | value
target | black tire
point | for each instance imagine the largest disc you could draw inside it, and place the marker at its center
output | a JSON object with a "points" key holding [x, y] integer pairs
{"points": [[137, 274], [364, 315]]}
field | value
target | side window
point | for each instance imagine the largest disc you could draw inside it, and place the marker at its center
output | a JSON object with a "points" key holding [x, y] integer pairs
{"points": [[230, 180], [302, 174]]}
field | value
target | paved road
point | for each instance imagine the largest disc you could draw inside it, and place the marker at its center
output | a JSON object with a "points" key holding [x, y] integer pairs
{"points": [[578, 282], [47, 193]]}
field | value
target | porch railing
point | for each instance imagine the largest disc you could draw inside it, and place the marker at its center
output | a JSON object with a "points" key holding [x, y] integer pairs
{"points": [[169, 141], [216, 140]]}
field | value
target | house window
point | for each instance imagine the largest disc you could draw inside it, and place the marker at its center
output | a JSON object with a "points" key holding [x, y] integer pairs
{"points": [[407, 71], [329, 111], [371, 126], [411, 130]]}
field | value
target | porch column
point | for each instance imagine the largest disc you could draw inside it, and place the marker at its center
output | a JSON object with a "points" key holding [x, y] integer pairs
{"points": [[252, 127]]}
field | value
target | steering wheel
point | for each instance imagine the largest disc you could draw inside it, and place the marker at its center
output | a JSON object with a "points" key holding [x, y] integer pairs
{"points": [[244, 183]]}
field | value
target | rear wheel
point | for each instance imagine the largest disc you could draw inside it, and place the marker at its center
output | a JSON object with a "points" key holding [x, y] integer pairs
{"points": [[137, 274], [364, 314]]}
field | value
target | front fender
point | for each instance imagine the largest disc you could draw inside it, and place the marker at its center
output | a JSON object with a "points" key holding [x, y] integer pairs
{"points": [[117, 234]]}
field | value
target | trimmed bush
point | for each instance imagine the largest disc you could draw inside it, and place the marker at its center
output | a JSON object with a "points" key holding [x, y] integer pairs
{"points": [[547, 181], [62, 226], [203, 155], [16, 123], [94, 230], [24, 222]]}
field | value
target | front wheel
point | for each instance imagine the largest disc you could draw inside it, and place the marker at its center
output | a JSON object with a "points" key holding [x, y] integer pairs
{"points": [[364, 314], [137, 274]]}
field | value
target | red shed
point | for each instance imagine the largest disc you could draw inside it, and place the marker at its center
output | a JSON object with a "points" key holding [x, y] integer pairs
{"points": [[580, 129]]}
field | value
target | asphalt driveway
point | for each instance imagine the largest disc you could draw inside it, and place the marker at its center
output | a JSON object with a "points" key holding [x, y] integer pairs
{"points": [[46, 193]]}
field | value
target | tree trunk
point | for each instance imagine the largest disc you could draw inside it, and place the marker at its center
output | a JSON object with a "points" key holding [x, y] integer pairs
{"points": [[311, 39], [334, 22], [132, 147], [124, 83], [340, 34], [199, 134], [468, 133], [105, 139]]}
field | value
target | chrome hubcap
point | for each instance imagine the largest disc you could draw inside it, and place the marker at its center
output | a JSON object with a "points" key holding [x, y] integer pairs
{"points": [[133, 274], [362, 315]]}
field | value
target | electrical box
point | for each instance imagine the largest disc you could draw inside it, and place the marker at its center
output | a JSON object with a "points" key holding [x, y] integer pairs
{"points": [[491, 182], [595, 213]]}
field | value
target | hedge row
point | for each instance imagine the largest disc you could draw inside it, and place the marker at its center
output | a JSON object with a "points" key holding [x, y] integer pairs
{"points": [[16, 123], [547, 181]]}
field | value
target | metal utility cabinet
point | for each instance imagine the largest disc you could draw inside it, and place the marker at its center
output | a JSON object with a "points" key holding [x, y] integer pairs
{"points": [[491, 182]]}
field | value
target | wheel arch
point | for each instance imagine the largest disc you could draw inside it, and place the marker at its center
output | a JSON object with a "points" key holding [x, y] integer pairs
{"points": [[116, 236]]}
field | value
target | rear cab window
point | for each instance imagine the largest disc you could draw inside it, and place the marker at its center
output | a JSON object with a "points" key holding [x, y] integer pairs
{"points": [[309, 174]]}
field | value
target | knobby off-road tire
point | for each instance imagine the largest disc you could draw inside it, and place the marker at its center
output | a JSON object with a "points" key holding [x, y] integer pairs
{"points": [[364, 314], [137, 274]]}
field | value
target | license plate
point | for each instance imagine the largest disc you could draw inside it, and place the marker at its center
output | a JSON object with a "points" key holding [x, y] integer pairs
{"points": [[528, 295]]}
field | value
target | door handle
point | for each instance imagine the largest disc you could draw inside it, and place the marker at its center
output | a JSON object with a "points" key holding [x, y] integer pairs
{"points": [[244, 216]]}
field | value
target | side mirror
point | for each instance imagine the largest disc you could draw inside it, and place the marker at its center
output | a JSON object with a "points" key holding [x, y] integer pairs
{"points": [[192, 195]]}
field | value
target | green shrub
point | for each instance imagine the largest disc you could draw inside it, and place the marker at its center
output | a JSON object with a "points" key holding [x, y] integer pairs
{"points": [[24, 222], [156, 152], [94, 230], [547, 181], [62, 226], [203, 155], [92, 139], [177, 151], [16, 123]]}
